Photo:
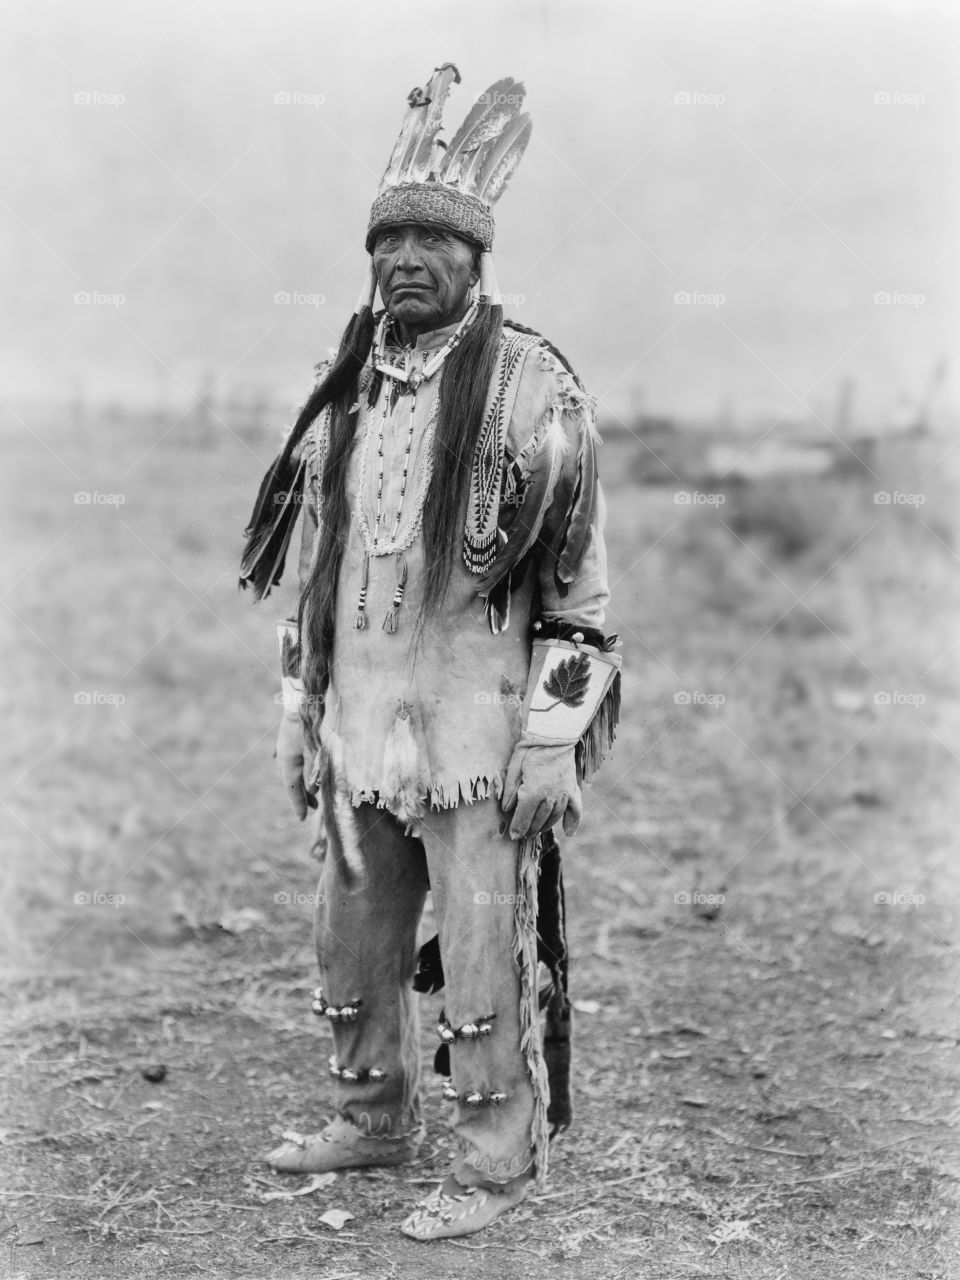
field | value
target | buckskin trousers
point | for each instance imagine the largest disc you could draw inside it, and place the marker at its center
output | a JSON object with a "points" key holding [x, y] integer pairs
{"points": [[366, 938]]}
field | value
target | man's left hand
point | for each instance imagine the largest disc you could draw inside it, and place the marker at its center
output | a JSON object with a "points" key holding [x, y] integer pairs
{"points": [[542, 787]]}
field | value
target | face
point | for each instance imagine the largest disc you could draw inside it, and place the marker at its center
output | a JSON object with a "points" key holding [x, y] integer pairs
{"points": [[425, 276]]}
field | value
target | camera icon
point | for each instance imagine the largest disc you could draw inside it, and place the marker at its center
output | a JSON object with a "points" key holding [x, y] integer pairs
{"points": [[82, 299], [282, 899], [883, 899], [682, 498], [82, 99], [682, 99], [683, 698], [82, 899], [681, 299], [281, 299], [482, 898], [883, 498], [82, 699], [882, 698], [682, 899], [883, 98], [282, 99]]}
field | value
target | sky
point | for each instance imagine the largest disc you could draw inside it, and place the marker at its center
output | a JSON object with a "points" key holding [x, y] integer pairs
{"points": [[727, 210]]}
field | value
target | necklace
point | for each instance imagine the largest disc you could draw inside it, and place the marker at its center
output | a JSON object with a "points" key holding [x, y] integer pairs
{"points": [[414, 377], [394, 544]]}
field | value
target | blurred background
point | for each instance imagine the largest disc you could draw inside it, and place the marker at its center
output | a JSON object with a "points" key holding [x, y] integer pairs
{"points": [[738, 221]]}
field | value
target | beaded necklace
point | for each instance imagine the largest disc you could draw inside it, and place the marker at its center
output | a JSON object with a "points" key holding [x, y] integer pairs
{"points": [[375, 544]]}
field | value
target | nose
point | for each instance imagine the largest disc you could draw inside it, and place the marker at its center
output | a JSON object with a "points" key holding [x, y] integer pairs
{"points": [[408, 254]]}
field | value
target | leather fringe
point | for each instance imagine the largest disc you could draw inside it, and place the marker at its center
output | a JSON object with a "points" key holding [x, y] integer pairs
{"points": [[525, 917], [600, 734]]}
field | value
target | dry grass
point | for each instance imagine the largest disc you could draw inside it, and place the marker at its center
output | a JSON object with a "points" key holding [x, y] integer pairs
{"points": [[762, 1083]]}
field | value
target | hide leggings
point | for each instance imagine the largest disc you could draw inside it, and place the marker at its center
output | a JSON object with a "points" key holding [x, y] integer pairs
{"points": [[366, 938]]}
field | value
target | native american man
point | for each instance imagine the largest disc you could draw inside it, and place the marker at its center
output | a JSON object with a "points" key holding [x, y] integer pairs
{"points": [[448, 675]]}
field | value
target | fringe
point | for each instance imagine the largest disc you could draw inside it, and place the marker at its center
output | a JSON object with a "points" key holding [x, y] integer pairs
{"points": [[600, 734], [525, 916]]}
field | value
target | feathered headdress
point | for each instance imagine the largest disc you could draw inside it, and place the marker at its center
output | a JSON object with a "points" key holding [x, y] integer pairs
{"points": [[453, 185]]}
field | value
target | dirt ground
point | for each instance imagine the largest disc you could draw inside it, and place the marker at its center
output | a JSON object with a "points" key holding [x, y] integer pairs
{"points": [[762, 898]]}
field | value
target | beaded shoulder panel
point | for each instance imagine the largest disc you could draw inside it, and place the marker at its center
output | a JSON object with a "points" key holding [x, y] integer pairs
{"points": [[480, 544]]}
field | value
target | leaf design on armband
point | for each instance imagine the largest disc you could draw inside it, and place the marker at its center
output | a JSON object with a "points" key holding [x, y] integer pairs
{"points": [[568, 682]]}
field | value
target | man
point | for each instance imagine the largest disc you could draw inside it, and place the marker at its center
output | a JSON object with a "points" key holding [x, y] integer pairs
{"points": [[448, 671]]}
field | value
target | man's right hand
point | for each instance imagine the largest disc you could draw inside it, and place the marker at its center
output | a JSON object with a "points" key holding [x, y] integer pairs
{"points": [[290, 759]]}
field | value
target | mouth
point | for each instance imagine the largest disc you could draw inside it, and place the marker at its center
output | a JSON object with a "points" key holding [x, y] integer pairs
{"points": [[409, 288]]}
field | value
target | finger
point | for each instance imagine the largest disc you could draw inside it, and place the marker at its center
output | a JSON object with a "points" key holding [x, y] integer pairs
{"points": [[571, 819], [540, 816], [522, 818], [554, 812], [511, 786]]}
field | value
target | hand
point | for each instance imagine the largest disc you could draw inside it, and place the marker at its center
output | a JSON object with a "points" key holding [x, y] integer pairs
{"points": [[542, 786], [289, 756]]}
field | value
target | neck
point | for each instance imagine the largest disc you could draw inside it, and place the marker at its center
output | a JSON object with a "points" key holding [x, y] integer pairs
{"points": [[409, 333]]}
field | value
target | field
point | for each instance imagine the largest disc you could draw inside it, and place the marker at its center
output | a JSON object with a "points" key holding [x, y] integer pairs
{"points": [[762, 897]]}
